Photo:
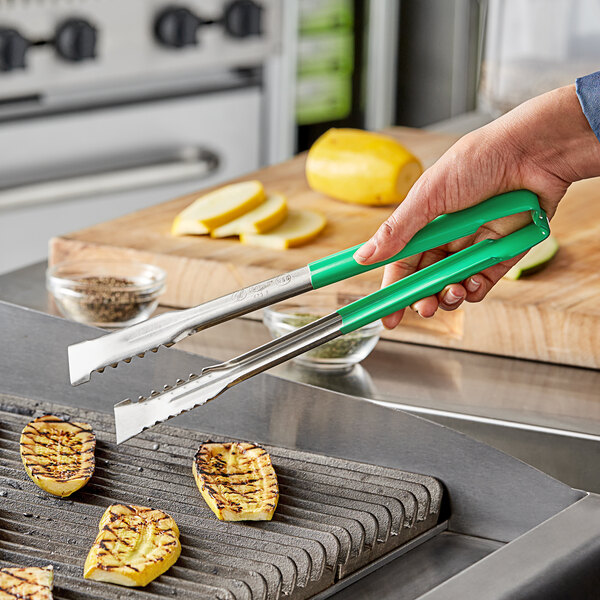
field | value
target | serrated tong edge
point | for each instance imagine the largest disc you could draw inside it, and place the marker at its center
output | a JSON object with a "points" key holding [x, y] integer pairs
{"points": [[220, 377]]}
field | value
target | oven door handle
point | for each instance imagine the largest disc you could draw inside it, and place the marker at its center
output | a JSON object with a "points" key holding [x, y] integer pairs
{"points": [[188, 163]]}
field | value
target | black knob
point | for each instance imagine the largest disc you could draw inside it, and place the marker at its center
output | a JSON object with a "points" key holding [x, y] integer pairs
{"points": [[243, 18], [13, 47], [75, 40], [177, 27]]}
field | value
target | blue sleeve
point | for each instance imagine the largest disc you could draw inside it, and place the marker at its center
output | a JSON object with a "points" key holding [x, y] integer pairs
{"points": [[588, 92]]}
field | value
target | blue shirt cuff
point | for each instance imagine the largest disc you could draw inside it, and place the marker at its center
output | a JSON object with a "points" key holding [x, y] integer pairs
{"points": [[588, 92]]}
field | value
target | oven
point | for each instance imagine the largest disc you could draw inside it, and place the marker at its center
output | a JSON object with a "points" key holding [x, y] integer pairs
{"points": [[108, 107]]}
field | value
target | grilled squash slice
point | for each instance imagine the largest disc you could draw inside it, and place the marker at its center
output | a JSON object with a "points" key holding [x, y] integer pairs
{"points": [[26, 583], [58, 455], [237, 481], [134, 545]]}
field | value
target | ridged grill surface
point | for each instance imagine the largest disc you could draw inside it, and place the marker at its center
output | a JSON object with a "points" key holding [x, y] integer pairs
{"points": [[334, 516]]}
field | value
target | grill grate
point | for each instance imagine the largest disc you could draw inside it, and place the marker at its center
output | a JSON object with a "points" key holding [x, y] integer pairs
{"points": [[334, 516]]}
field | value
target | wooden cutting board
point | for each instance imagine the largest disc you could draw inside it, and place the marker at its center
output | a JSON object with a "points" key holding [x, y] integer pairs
{"points": [[551, 316]]}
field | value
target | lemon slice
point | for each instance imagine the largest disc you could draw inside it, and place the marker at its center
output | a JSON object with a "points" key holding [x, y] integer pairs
{"points": [[263, 218], [134, 545], [218, 207], [299, 227]]}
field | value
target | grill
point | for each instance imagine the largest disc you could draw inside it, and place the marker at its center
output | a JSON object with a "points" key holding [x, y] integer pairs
{"points": [[336, 521]]}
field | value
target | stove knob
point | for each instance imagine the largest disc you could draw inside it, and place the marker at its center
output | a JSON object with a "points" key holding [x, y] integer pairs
{"points": [[75, 40], [177, 27], [243, 18], [13, 47]]}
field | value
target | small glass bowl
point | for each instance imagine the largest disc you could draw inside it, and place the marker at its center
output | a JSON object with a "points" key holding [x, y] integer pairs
{"points": [[340, 354], [105, 293]]}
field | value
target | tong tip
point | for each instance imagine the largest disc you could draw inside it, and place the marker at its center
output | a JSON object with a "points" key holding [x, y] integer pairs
{"points": [[124, 427], [78, 373]]}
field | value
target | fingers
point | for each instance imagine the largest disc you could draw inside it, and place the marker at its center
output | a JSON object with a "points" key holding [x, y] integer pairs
{"points": [[393, 320], [418, 208], [477, 287], [426, 307], [392, 273], [452, 296]]}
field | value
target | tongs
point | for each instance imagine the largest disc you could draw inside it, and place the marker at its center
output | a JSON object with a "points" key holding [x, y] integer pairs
{"points": [[132, 417]]}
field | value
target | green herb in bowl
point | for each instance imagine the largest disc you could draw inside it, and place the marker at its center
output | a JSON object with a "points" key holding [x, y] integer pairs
{"points": [[340, 354]]}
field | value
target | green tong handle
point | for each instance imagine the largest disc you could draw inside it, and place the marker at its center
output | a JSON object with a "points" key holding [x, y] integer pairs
{"points": [[442, 230], [454, 268]]}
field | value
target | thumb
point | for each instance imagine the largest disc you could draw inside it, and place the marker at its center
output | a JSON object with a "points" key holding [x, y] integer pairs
{"points": [[397, 230]]}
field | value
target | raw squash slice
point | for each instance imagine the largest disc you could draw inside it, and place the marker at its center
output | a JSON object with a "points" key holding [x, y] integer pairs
{"points": [[58, 455], [218, 207], [26, 583], [237, 481], [134, 545], [263, 218], [299, 227]]}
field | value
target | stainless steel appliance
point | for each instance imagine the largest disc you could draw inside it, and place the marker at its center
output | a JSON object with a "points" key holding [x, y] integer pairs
{"points": [[512, 531], [100, 100]]}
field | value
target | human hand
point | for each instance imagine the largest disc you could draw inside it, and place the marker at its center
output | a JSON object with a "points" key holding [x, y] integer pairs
{"points": [[543, 145]]}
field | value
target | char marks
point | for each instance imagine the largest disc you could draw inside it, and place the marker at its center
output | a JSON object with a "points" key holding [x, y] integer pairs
{"points": [[237, 480], [26, 583], [134, 545], [58, 455]]}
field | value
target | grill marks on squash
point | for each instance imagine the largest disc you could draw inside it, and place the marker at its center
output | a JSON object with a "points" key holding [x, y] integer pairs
{"points": [[58, 455], [135, 544], [237, 481], [26, 583]]}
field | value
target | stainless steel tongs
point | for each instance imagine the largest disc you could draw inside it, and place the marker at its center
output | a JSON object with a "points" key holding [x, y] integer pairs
{"points": [[133, 417]]}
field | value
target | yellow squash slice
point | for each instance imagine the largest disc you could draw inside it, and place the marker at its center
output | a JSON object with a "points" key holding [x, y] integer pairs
{"points": [[300, 227], [26, 583], [237, 481], [361, 167], [134, 545], [219, 207], [58, 455], [263, 218]]}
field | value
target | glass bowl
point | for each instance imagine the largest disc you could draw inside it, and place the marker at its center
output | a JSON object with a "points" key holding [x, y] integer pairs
{"points": [[105, 293], [340, 354]]}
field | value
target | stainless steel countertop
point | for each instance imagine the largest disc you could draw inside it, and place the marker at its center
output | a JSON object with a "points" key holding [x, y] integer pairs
{"points": [[547, 415]]}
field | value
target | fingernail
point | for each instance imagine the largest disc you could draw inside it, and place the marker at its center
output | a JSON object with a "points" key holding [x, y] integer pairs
{"points": [[451, 298], [472, 285], [364, 252]]}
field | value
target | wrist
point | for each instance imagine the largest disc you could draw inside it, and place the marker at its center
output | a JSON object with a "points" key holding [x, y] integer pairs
{"points": [[552, 133]]}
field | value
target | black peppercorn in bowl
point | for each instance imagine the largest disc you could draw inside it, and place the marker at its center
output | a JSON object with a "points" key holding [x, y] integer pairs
{"points": [[105, 293], [340, 354]]}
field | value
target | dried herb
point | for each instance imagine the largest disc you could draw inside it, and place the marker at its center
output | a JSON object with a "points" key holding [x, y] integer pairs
{"points": [[300, 319], [339, 348], [106, 299]]}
